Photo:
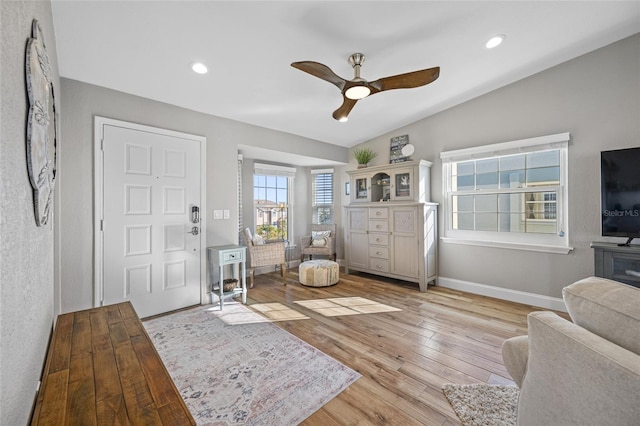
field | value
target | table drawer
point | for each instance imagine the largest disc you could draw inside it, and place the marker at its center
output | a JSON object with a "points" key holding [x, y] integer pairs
{"points": [[379, 239], [379, 252], [379, 265], [233, 256], [378, 226], [378, 213]]}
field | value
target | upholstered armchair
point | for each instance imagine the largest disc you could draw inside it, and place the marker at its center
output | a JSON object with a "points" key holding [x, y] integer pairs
{"points": [[265, 254], [322, 241]]}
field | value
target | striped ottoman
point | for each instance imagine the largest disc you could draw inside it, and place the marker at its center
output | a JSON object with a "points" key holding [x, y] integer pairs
{"points": [[319, 273]]}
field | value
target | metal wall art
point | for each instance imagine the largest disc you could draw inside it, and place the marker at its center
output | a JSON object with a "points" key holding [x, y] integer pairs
{"points": [[42, 131]]}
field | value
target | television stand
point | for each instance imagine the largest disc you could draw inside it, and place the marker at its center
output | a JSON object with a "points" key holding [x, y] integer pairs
{"points": [[627, 244], [617, 262]]}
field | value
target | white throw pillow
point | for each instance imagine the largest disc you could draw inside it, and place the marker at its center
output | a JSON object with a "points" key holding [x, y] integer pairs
{"points": [[319, 238], [258, 240]]}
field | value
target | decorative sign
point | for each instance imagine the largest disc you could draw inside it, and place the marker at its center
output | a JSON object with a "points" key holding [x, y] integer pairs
{"points": [[395, 152], [42, 131]]}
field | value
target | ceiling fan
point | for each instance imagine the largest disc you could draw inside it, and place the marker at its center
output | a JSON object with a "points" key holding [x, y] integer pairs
{"points": [[359, 88]]}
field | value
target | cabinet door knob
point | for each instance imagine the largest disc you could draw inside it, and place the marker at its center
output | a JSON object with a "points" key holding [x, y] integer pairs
{"points": [[378, 253]]}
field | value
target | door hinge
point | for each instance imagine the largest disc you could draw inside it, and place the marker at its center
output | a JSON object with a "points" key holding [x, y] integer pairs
{"points": [[101, 224], [102, 144]]}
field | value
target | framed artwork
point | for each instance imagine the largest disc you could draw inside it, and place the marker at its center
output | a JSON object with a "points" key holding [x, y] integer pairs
{"points": [[42, 129], [395, 149]]}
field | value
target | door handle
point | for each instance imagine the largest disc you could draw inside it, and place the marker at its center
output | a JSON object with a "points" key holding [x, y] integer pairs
{"points": [[194, 231]]}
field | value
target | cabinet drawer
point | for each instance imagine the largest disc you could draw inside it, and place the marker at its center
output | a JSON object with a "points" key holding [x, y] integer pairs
{"points": [[378, 226], [379, 239], [379, 265], [379, 252], [378, 213], [233, 256]]}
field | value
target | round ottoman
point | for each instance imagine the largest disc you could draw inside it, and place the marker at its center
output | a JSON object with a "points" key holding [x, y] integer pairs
{"points": [[319, 273]]}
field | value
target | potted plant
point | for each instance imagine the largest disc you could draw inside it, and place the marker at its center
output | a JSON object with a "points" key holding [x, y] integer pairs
{"points": [[363, 156]]}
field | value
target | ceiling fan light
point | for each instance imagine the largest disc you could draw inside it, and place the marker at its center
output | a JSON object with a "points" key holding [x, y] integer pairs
{"points": [[343, 119], [357, 92]]}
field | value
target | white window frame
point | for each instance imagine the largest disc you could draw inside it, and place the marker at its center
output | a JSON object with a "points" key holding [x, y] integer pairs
{"points": [[314, 206], [275, 170], [549, 243]]}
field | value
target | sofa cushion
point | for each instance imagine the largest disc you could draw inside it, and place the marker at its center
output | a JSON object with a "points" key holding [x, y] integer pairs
{"points": [[607, 308]]}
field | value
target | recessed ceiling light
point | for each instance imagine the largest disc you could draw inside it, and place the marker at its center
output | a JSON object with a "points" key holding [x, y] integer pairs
{"points": [[199, 67], [495, 41]]}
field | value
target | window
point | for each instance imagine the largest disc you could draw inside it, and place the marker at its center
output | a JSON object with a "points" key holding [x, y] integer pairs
{"points": [[512, 193], [322, 196], [272, 200]]}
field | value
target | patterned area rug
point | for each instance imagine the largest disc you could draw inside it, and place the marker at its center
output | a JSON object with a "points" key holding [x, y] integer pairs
{"points": [[483, 405], [233, 367]]}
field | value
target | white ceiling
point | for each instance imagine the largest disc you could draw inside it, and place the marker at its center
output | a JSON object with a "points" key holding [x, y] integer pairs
{"points": [[145, 48]]}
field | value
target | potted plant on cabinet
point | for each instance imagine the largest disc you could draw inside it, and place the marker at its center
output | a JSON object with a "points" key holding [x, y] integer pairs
{"points": [[363, 156]]}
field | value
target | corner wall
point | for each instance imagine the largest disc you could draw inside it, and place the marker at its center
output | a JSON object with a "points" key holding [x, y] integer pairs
{"points": [[595, 97], [26, 251]]}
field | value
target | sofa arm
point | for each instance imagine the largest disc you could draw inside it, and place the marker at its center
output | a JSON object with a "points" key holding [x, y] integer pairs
{"points": [[515, 353], [575, 377]]}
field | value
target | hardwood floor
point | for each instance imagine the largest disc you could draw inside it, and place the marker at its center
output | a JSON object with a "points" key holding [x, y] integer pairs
{"points": [[406, 356]]}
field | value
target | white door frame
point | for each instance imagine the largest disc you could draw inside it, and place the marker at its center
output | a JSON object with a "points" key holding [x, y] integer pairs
{"points": [[98, 197]]}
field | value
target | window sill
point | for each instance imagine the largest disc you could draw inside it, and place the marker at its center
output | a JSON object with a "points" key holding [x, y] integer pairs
{"points": [[510, 246]]}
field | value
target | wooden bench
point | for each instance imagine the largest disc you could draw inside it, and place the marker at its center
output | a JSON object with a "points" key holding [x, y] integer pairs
{"points": [[102, 369]]}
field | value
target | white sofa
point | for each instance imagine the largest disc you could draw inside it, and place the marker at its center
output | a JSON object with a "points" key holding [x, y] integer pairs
{"points": [[585, 372]]}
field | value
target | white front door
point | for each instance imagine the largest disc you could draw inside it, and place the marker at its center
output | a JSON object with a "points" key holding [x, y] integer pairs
{"points": [[151, 252]]}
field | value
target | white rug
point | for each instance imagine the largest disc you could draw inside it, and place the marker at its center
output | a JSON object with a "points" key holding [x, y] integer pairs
{"points": [[235, 368], [482, 404]]}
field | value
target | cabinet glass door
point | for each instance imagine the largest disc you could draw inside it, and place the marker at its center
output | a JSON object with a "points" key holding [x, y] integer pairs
{"points": [[361, 189], [403, 185]]}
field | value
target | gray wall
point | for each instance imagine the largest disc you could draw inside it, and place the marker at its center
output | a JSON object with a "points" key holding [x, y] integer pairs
{"points": [[81, 102], [596, 98], [26, 251]]}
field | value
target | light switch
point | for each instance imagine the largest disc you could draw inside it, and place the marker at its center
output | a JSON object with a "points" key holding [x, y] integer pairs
{"points": [[217, 214], [226, 214]]}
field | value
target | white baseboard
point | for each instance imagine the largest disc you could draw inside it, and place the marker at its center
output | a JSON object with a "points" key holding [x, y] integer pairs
{"points": [[523, 297]]}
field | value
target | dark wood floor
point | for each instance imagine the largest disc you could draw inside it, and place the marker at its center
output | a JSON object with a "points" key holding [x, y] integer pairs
{"points": [[404, 357]]}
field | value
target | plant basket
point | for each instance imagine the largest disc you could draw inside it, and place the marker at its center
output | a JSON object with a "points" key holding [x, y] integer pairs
{"points": [[229, 284]]}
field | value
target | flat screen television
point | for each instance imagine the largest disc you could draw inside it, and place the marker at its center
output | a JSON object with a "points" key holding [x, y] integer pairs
{"points": [[620, 193]]}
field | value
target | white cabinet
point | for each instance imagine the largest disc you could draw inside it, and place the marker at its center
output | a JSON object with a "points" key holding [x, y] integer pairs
{"points": [[391, 228]]}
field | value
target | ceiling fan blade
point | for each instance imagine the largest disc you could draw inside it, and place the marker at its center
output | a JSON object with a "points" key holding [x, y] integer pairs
{"points": [[405, 81], [321, 71], [345, 108]]}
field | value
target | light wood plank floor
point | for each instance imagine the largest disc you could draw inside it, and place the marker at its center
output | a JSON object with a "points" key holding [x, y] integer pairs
{"points": [[405, 356]]}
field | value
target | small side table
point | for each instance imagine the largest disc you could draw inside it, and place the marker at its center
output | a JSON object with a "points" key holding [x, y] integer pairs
{"points": [[220, 256]]}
